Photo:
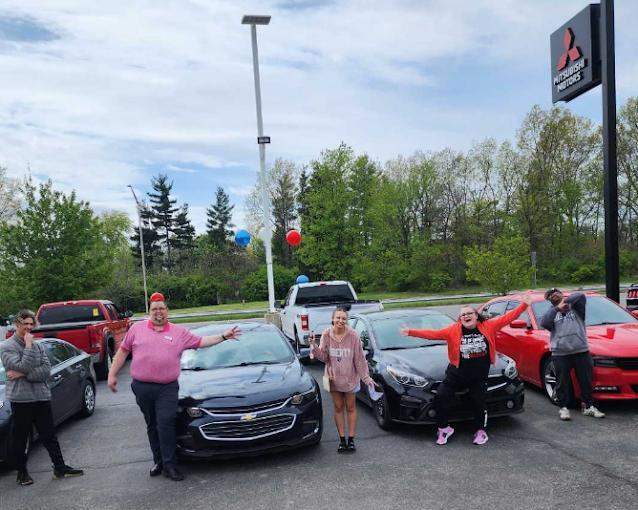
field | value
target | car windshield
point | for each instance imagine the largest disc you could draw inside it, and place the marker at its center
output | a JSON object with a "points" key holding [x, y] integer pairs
{"points": [[254, 346], [598, 311], [387, 335]]}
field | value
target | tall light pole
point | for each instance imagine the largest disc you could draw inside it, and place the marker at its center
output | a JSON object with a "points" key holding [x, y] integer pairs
{"points": [[139, 224], [262, 140]]}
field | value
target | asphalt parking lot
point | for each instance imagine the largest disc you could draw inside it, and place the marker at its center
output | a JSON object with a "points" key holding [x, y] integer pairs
{"points": [[533, 461]]}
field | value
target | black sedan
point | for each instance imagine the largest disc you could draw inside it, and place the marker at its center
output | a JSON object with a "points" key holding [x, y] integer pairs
{"points": [[72, 386], [411, 369], [246, 397]]}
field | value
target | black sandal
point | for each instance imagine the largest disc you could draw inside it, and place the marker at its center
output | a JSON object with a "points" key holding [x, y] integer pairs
{"points": [[342, 448], [351, 446]]}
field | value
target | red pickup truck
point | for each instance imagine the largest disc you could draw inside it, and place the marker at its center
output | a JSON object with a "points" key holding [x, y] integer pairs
{"points": [[93, 326]]}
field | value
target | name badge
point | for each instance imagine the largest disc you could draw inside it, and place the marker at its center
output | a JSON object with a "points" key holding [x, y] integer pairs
{"points": [[168, 338]]}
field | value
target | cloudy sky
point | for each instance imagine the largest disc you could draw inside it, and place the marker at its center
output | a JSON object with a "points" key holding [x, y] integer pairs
{"points": [[99, 95]]}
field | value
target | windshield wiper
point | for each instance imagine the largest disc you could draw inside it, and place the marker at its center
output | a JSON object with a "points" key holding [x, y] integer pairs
{"points": [[249, 363], [195, 369], [605, 323]]}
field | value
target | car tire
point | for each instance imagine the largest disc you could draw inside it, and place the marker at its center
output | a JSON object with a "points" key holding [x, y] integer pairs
{"points": [[88, 400], [548, 379], [102, 369], [381, 409]]}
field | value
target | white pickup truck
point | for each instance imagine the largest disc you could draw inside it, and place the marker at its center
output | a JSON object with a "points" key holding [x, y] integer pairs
{"points": [[308, 308]]}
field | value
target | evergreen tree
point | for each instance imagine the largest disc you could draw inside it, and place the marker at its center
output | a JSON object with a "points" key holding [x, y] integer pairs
{"points": [[152, 250], [163, 214], [284, 213], [218, 224]]}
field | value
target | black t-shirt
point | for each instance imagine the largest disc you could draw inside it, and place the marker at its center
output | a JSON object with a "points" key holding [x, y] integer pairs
{"points": [[475, 350]]}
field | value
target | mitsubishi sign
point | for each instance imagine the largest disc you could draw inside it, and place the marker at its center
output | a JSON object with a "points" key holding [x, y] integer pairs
{"points": [[575, 52]]}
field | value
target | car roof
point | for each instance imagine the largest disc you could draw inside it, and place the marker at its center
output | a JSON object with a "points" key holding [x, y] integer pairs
{"points": [[78, 302], [539, 295]]}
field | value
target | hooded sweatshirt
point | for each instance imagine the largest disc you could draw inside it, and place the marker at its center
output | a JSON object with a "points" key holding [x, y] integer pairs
{"points": [[567, 331]]}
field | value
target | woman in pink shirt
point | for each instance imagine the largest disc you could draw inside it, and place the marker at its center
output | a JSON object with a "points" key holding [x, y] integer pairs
{"points": [[341, 350]]}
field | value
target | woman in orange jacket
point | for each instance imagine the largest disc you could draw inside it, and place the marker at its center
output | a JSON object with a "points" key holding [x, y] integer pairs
{"points": [[471, 343]]}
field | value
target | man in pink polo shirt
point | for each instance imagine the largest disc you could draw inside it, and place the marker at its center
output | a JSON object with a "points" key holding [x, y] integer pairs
{"points": [[157, 346]]}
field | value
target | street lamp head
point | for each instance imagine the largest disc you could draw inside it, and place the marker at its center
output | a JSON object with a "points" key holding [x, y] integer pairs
{"points": [[250, 19]]}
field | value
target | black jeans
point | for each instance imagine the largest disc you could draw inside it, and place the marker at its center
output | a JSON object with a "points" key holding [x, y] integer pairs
{"points": [[474, 380], [25, 415], [582, 365], [158, 403]]}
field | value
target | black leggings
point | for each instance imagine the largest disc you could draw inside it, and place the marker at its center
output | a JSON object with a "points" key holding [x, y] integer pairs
{"points": [[457, 379]]}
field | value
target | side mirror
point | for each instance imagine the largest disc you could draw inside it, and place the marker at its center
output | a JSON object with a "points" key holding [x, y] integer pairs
{"points": [[127, 314], [278, 304], [518, 324]]}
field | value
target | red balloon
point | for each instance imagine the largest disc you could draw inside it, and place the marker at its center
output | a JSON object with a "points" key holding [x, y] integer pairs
{"points": [[293, 237]]}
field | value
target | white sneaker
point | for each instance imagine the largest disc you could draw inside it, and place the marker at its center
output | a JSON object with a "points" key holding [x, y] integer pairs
{"points": [[563, 414], [593, 412]]}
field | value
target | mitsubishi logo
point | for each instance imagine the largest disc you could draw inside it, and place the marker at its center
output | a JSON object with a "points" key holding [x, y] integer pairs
{"points": [[571, 52]]}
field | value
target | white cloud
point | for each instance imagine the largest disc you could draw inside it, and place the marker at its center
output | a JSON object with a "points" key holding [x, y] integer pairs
{"points": [[133, 86]]}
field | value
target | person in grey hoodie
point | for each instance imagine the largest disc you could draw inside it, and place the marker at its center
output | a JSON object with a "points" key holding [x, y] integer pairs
{"points": [[565, 321], [28, 369]]}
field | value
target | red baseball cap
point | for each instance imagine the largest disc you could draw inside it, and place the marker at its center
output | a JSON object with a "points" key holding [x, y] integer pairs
{"points": [[156, 296]]}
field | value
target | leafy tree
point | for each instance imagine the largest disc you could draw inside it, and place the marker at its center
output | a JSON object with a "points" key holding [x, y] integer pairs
{"points": [[57, 249], [284, 212], [503, 268], [220, 214]]}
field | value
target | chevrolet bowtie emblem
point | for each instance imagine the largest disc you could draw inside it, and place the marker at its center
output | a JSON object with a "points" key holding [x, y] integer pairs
{"points": [[248, 417]]}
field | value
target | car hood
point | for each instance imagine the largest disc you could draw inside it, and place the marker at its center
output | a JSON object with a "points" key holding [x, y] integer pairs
{"points": [[614, 340], [430, 362], [243, 386]]}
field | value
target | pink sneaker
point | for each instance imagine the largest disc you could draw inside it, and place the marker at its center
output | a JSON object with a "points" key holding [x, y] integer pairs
{"points": [[480, 437], [444, 434]]}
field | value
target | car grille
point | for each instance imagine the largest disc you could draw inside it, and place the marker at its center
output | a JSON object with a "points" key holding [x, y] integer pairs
{"points": [[267, 406], [627, 363], [494, 382], [242, 430]]}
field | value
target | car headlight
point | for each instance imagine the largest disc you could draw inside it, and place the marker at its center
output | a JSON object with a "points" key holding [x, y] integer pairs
{"points": [[510, 371], [303, 398], [194, 412], [602, 362], [408, 379]]}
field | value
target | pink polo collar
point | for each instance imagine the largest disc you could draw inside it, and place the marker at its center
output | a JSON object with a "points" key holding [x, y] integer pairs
{"points": [[149, 325]]}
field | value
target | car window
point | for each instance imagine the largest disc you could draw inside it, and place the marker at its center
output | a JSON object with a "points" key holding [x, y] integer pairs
{"points": [[522, 317], [387, 330], [259, 345], [362, 331], [324, 294], [598, 310], [70, 313], [58, 352], [495, 309]]}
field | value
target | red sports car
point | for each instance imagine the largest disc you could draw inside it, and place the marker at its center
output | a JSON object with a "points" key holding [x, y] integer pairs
{"points": [[613, 342]]}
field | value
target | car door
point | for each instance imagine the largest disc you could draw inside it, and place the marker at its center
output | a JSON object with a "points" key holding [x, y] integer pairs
{"points": [[64, 380], [118, 324], [362, 330], [287, 317]]}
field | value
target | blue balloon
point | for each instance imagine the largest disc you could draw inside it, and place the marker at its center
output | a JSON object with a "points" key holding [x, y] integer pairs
{"points": [[302, 278], [242, 238]]}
